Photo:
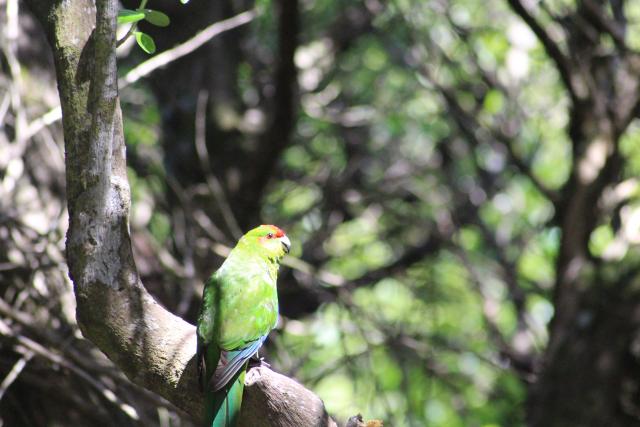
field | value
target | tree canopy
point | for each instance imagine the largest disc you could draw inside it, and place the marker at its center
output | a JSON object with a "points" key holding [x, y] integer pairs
{"points": [[459, 180]]}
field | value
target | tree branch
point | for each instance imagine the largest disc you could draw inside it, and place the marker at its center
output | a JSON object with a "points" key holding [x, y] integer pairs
{"points": [[185, 48], [154, 348], [277, 137], [550, 46], [599, 19]]}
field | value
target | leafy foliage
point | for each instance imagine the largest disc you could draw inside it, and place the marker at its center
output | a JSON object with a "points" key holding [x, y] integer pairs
{"points": [[424, 169], [154, 17]]}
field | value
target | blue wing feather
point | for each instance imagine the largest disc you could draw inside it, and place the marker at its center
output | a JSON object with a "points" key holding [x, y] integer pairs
{"points": [[230, 363]]}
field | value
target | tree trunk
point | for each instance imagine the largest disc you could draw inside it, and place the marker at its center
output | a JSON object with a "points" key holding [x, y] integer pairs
{"points": [[589, 374], [154, 348]]}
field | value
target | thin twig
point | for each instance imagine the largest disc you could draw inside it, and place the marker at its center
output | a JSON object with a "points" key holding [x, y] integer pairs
{"points": [[133, 27], [9, 48], [158, 61], [205, 163], [58, 359], [15, 372], [185, 48]]}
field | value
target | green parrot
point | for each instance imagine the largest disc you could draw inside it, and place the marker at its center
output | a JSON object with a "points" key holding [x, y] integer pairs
{"points": [[239, 309]]}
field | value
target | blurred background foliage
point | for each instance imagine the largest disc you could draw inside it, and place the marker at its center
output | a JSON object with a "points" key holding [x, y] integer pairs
{"points": [[425, 157]]}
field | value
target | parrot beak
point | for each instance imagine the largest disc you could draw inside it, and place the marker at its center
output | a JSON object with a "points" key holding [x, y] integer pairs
{"points": [[286, 243]]}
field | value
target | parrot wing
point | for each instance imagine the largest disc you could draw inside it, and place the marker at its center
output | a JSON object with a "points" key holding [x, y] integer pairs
{"points": [[230, 363]]}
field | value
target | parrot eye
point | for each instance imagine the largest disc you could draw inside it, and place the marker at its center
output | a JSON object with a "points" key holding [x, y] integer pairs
{"points": [[270, 236]]}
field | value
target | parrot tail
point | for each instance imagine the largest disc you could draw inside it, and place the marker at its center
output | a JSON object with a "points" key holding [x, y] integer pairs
{"points": [[223, 406], [224, 388]]}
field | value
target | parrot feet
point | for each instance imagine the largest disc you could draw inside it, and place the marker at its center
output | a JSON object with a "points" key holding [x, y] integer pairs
{"points": [[258, 362]]}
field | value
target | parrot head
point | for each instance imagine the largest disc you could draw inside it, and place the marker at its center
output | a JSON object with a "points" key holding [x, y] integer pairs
{"points": [[270, 240]]}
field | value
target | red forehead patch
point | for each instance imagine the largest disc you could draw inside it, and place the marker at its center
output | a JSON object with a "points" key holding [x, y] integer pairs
{"points": [[277, 231]]}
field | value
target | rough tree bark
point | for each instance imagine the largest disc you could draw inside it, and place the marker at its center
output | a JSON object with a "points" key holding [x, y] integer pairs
{"points": [[153, 347]]}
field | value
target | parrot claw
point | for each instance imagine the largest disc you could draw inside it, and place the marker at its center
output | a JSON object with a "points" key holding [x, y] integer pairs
{"points": [[264, 363], [258, 362]]}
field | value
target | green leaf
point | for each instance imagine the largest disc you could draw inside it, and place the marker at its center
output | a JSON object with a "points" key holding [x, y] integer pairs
{"points": [[155, 17], [127, 15], [494, 101], [145, 42]]}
